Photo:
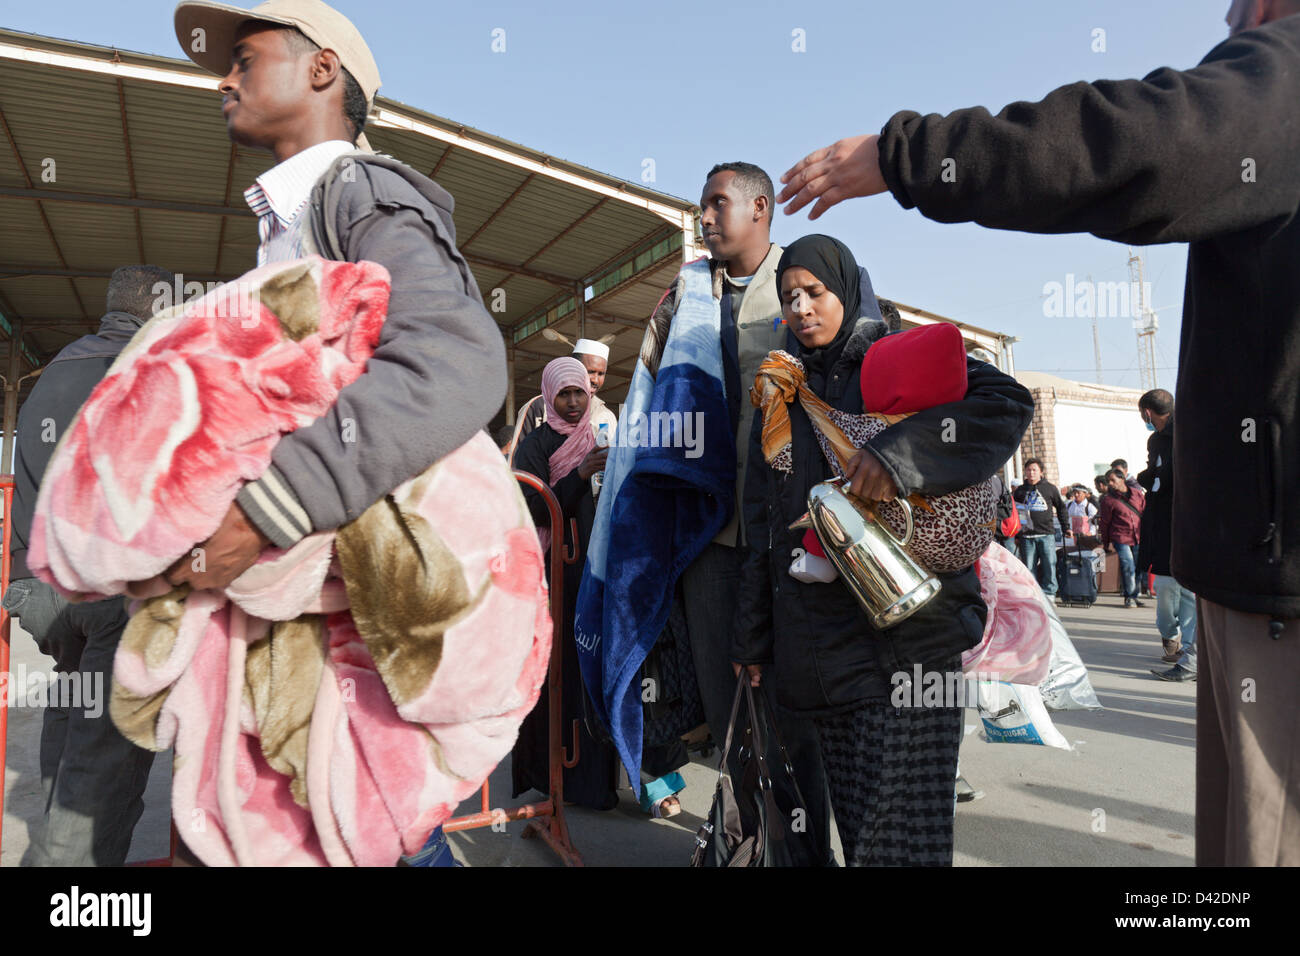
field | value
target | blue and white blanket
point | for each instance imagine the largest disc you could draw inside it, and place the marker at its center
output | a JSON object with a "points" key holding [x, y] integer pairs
{"points": [[662, 502]]}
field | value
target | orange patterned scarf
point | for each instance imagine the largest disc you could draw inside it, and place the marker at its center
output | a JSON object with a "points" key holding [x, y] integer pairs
{"points": [[779, 381]]}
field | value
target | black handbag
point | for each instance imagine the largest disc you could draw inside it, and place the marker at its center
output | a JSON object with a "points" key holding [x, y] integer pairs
{"points": [[757, 820]]}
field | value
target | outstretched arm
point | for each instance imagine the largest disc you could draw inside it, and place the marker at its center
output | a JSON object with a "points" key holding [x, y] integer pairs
{"points": [[1174, 157]]}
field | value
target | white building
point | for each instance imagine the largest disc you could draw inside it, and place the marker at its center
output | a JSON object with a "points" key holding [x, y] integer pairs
{"points": [[1079, 428]]}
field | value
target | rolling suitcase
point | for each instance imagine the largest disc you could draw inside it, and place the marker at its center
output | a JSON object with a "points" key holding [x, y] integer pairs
{"points": [[1076, 581]]}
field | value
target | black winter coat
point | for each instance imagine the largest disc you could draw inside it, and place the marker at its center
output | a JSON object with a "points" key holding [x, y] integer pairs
{"points": [[1205, 156], [1158, 516], [826, 655]]}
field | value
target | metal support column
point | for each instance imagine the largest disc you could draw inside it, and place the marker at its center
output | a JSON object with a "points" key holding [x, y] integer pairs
{"points": [[580, 295], [12, 384], [510, 385]]}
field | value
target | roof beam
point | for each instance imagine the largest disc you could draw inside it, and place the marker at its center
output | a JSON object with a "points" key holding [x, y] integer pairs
{"points": [[49, 195], [49, 230], [562, 233], [11, 316], [615, 320], [499, 210], [386, 117], [635, 277], [18, 272], [612, 290], [130, 165], [653, 236], [58, 325], [563, 282], [437, 167], [97, 199], [221, 233]]}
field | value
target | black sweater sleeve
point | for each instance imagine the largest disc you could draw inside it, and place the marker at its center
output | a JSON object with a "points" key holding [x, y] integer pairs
{"points": [[1174, 157], [753, 636], [958, 444]]}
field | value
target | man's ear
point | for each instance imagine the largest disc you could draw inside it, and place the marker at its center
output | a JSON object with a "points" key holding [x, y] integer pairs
{"points": [[760, 208], [1266, 11], [325, 68]]}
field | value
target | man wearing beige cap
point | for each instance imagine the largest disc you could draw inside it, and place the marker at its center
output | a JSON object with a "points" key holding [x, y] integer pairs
{"points": [[298, 81]]}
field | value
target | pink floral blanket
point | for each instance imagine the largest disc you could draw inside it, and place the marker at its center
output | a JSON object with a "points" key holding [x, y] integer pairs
{"points": [[339, 699]]}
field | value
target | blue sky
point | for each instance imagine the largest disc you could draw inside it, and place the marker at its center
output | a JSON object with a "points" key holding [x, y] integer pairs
{"points": [[688, 84]]}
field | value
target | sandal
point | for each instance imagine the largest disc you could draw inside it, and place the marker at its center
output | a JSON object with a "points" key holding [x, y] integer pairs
{"points": [[658, 797], [669, 806]]}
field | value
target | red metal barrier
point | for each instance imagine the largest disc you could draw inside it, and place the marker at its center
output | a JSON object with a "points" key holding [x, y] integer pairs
{"points": [[7, 484], [549, 822]]}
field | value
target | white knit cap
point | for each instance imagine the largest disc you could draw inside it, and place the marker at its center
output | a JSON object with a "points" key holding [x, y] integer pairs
{"points": [[591, 347]]}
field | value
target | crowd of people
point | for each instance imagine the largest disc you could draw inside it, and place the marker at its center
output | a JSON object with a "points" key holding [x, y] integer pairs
{"points": [[721, 606], [1130, 516]]}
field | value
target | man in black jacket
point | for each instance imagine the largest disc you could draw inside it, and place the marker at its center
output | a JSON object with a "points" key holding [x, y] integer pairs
{"points": [[1175, 604], [1205, 156], [1037, 540], [92, 777]]}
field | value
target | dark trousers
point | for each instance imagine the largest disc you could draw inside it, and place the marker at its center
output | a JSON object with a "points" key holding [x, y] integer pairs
{"points": [[709, 591], [92, 777]]}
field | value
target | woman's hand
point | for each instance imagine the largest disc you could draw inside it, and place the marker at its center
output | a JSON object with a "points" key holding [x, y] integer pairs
{"points": [[594, 462], [755, 672], [868, 479]]}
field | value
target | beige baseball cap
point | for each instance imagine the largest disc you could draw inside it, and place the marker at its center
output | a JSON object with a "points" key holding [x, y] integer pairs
{"points": [[217, 24]]}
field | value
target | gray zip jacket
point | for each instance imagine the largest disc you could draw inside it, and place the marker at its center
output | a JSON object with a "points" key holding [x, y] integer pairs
{"points": [[437, 377]]}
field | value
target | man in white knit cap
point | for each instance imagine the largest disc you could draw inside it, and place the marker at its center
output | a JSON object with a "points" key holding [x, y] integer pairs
{"points": [[595, 356]]}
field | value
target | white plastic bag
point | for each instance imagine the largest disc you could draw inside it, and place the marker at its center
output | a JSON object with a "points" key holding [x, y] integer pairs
{"points": [[1014, 714], [1066, 686]]}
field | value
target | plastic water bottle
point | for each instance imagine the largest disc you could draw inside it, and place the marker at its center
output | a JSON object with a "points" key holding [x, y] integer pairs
{"points": [[602, 441]]}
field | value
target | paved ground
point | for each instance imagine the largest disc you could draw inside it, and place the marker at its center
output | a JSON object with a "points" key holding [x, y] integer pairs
{"points": [[1124, 797]]}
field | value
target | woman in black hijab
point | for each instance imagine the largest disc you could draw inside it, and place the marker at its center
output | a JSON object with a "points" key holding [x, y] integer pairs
{"points": [[890, 765], [817, 265]]}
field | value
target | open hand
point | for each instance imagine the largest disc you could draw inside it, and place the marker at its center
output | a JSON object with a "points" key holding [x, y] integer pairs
{"points": [[843, 170]]}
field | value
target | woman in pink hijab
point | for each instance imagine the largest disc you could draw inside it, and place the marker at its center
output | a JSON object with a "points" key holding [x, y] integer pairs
{"points": [[562, 452]]}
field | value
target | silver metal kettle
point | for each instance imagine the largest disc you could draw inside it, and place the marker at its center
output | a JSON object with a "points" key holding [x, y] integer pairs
{"points": [[889, 585]]}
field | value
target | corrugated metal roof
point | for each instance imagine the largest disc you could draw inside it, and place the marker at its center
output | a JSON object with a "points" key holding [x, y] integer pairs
{"points": [[109, 157]]}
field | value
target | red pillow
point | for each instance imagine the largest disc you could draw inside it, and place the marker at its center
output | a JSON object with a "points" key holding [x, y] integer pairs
{"points": [[813, 544], [914, 370]]}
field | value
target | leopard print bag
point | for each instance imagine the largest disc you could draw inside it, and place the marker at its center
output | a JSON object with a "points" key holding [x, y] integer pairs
{"points": [[949, 531]]}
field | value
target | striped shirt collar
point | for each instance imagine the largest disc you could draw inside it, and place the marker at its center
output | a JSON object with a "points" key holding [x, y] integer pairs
{"points": [[285, 187]]}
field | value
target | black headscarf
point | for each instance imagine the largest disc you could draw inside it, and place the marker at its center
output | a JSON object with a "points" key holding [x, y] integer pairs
{"points": [[830, 261]]}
